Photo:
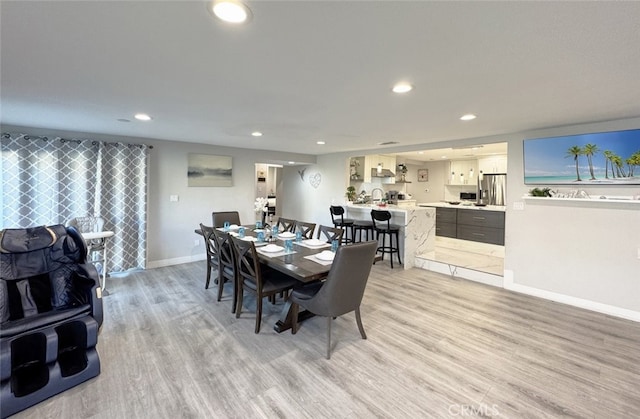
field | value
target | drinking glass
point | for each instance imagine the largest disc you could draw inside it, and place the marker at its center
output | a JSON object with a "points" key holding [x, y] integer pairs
{"points": [[226, 225], [288, 246], [258, 225], [334, 246], [298, 236], [241, 232], [261, 236], [274, 231]]}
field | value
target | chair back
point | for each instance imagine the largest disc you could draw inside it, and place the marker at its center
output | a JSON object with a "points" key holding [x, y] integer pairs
{"points": [[247, 263], [306, 229], [88, 224], [330, 234], [336, 210], [220, 217], [286, 224], [209, 242], [378, 216], [343, 290], [226, 254]]}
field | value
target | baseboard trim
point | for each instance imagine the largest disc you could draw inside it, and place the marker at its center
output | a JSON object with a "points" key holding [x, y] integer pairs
{"points": [[572, 301], [459, 272], [176, 261]]}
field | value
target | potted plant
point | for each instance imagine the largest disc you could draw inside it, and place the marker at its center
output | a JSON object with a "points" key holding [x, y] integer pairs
{"points": [[351, 193]]}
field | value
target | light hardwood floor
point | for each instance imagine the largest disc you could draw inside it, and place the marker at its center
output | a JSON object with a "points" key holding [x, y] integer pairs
{"points": [[437, 347]]}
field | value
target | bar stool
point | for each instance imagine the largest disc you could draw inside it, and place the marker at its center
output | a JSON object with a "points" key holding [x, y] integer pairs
{"points": [[361, 226], [344, 223], [378, 219]]}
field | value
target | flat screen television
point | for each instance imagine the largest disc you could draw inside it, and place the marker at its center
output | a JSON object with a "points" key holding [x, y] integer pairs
{"points": [[602, 158]]}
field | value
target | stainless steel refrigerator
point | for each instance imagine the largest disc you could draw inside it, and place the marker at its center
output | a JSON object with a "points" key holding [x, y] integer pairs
{"points": [[492, 188]]}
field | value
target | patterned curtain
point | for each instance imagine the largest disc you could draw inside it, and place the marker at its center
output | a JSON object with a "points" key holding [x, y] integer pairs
{"points": [[49, 181]]}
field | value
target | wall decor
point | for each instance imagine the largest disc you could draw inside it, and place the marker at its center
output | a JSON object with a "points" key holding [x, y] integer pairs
{"points": [[209, 170], [261, 176], [315, 180], [423, 175], [301, 173], [603, 158]]}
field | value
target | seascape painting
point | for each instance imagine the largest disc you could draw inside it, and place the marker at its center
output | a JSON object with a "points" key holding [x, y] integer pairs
{"points": [[209, 170], [604, 158]]}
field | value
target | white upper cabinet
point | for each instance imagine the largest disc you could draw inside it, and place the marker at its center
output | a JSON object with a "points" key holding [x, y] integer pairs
{"points": [[462, 172], [493, 164]]}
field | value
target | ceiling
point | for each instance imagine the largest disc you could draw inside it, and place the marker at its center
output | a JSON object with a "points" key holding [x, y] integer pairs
{"points": [[305, 71]]}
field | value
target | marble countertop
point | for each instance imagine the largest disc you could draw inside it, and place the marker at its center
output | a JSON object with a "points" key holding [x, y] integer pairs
{"points": [[388, 207], [462, 206]]}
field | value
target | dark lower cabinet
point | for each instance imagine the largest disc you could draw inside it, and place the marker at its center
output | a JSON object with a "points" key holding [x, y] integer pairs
{"points": [[471, 224]]}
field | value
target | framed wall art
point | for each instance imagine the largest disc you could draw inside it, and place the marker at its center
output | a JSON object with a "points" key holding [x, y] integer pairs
{"points": [[423, 175], [209, 170]]}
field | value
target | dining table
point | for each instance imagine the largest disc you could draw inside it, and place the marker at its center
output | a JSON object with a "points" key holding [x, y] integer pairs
{"points": [[303, 263]]}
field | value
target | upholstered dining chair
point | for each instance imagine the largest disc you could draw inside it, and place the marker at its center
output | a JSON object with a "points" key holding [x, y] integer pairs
{"points": [[211, 247], [330, 233], [306, 229], [285, 224], [226, 265], [220, 217], [254, 279], [342, 292]]}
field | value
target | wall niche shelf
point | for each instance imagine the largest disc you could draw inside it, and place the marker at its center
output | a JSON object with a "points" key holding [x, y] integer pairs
{"points": [[608, 201]]}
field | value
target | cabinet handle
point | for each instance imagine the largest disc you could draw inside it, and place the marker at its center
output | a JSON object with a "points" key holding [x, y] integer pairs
{"points": [[478, 234], [479, 218]]}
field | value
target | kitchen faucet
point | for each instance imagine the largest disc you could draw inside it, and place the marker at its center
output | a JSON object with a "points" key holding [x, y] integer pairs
{"points": [[381, 194]]}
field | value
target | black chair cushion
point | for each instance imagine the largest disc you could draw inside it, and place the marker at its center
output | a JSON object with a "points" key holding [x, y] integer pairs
{"points": [[16, 327]]}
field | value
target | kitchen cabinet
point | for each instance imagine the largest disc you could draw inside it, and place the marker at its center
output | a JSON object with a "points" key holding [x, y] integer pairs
{"points": [[493, 164], [470, 224], [446, 222], [462, 172], [371, 162], [480, 226]]}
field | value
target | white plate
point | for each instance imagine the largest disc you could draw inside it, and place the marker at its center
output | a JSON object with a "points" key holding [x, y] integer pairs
{"points": [[327, 255], [234, 227], [258, 230], [249, 238], [314, 243], [272, 248], [286, 235]]}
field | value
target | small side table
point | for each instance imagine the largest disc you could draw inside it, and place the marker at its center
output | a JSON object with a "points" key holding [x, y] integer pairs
{"points": [[104, 235]]}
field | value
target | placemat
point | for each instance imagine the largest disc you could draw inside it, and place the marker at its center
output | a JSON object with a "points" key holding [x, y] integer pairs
{"points": [[274, 254], [316, 260]]}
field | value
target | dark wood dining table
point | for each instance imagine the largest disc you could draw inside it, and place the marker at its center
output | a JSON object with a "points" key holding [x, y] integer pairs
{"points": [[295, 265]]}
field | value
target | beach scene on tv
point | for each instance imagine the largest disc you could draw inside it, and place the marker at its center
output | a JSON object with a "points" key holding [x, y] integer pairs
{"points": [[597, 158]]}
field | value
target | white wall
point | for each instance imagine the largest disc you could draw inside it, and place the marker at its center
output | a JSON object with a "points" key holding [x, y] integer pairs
{"points": [[579, 254]]}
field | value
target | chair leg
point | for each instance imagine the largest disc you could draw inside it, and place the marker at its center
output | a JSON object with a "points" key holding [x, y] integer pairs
{"points": [[329, 319], [391, 249], [398, 247], [239, 304], [258, 312], [235, 296], [206, 286], [220, 284], [294, 318], [359, 321]]}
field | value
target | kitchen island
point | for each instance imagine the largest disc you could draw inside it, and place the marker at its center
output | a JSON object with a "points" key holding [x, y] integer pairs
{"points": [[465, 221], [417, 227]]}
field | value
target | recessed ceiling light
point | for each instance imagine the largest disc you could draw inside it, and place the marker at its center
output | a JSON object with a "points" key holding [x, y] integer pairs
{"points": [[231, 11], [142, 117], [443, 157], [402, 88], [256, 134], [320, 142], [292, 162], [420, 152], [468, 117]]}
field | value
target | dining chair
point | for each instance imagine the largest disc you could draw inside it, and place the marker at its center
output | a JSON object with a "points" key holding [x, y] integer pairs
{"points": [[337, 217], [285, 224], [330, 234], [211, 247], [253, 278], [220, 217], [227, 265], [306, 229], [342, 291]]}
